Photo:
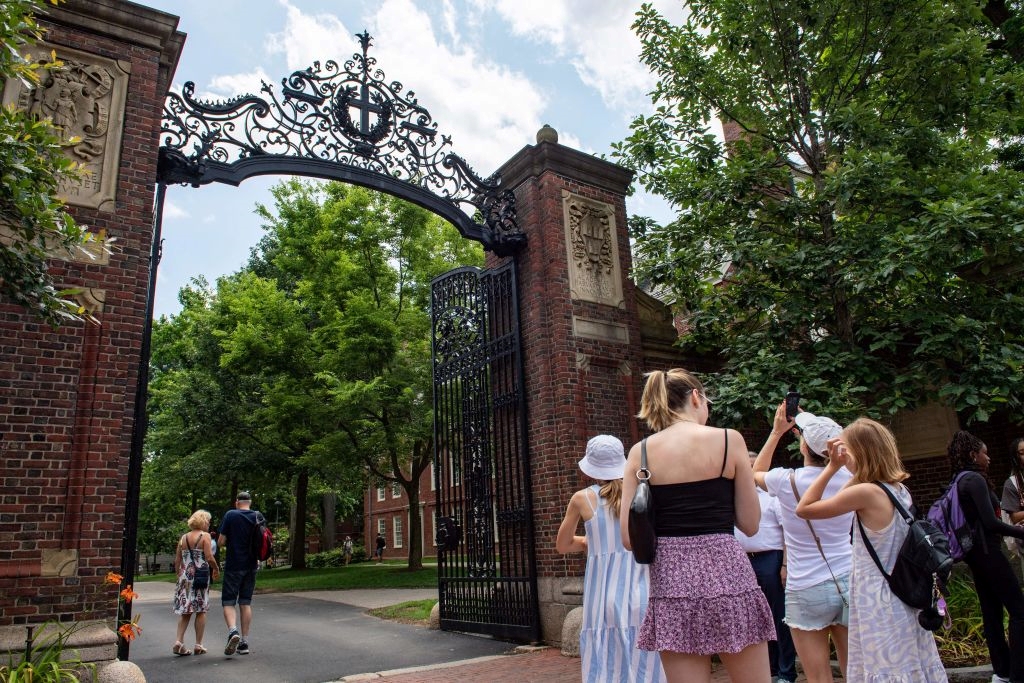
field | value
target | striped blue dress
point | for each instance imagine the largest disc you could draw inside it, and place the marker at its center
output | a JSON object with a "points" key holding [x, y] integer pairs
{"points": [[614, 602]]}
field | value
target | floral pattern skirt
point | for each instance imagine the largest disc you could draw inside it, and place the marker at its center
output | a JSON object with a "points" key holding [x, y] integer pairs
{"points": [[704, 598]]}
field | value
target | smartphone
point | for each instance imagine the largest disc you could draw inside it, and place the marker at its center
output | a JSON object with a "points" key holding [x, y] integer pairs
{"points": [[792, 403]]}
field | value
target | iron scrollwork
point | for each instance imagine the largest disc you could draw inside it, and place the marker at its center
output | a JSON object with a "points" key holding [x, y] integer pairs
{"points": [[347, 117]]}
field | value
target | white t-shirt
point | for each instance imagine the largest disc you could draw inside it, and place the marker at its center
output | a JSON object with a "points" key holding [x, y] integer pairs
{"points": [[769, 534], [805, 567]]}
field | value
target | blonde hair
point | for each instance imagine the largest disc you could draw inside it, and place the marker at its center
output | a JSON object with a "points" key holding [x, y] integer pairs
{"points": [[611, 491], [874, 448], [200, 519], [665, 395]]}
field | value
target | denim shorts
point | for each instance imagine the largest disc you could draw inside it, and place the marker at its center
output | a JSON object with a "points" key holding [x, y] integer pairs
{"points": [[819, 606], [238, 587]]}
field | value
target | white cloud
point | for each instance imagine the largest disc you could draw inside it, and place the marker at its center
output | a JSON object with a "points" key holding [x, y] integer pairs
{"points": [[307, 38], [173, 211], [595, 36], [489, 110]]}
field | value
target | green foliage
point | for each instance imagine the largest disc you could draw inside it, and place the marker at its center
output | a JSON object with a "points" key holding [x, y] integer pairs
{"points": [[32, 167], [410, 612], [336, 558], [48, 660], [964, 643], [862, 240], [311, 366]]}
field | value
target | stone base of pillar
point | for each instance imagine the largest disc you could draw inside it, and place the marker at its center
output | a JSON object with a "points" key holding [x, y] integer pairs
{"points": [[93, 642], [557, 596]]}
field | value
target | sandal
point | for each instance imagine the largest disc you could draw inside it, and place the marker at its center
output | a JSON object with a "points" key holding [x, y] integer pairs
{"points": [[181, 650], [199, 649]]}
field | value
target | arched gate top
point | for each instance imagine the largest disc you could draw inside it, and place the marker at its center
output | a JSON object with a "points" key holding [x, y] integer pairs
{"points": [[342, 123]]}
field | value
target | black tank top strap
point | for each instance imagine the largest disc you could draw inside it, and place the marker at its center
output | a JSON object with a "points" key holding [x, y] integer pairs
{"points": [[725, 456]]}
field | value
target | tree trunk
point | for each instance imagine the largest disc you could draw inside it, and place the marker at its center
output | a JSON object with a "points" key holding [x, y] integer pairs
{"points": [[329, 504], [415, 524], [297, 543]]}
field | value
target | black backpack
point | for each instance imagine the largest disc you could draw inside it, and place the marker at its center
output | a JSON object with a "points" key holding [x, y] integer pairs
{"points": [[923, 564]]}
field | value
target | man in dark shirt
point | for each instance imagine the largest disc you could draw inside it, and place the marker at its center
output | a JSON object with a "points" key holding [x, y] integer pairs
{"points": [[240, 566]]}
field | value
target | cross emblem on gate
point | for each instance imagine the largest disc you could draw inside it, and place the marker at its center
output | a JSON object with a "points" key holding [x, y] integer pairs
{"points": [[368, 101]]}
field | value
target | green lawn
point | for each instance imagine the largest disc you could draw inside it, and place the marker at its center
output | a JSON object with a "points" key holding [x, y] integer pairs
{"points": [[412, 612], [363, 575]]}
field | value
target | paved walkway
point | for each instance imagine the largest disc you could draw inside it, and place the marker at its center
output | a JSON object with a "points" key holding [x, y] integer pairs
{"points": [[527, 665]]}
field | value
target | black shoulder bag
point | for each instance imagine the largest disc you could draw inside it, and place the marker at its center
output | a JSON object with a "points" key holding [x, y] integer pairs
{"points": [[201, 573], [641, 514]]}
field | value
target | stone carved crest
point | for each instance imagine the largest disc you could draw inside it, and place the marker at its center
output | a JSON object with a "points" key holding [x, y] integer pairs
{"points": [[591, 241], [85, 98]]}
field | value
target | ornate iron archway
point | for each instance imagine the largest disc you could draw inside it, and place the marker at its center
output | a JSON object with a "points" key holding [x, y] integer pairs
{"points": [[342, 123], [347, 123]]}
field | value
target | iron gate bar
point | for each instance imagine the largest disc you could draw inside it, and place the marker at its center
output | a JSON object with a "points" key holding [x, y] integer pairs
{"points": [[309, 130], [486, 571]]}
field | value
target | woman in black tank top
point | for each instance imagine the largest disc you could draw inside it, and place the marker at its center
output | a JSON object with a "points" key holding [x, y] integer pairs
{"points": [[704, 598]]}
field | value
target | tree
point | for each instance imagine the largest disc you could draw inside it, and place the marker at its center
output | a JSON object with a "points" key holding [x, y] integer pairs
{"points": [[33, 220], [312, 364], [862, 237], [361, 264]]}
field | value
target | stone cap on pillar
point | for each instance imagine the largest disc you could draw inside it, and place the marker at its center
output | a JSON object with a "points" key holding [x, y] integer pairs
{"points": [[548, 155]]}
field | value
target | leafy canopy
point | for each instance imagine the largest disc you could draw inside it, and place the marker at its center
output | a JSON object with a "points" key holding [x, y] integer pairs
{"points": [[33, 220], [861, 238]]}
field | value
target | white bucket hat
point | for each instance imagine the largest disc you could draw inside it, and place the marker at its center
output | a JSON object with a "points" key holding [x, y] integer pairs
{"points": [[817, 430], [605, 458]]}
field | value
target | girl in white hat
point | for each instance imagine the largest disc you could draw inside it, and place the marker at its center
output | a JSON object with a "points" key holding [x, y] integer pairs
{"points": [[615, 586]]}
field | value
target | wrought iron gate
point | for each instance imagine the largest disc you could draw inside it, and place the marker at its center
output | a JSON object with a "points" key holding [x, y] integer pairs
{"points": [[486, 570]]}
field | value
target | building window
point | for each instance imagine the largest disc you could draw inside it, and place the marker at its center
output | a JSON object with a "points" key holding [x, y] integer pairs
{"points": [[396, 532], [396, 490], [382, 526], [380, 493]]}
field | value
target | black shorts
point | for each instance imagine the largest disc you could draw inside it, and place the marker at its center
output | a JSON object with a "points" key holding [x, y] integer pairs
{"points": [[238, 587]]}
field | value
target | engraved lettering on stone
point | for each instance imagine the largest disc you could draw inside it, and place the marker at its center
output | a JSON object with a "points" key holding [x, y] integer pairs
{"points": [[84, 98]]}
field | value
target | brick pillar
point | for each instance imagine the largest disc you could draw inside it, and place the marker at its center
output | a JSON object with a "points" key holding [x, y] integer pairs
{"points": [[580, 334], [67, 399]]}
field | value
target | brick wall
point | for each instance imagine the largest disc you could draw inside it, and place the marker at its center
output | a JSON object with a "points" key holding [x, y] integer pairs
{"points": [[68, 395]]}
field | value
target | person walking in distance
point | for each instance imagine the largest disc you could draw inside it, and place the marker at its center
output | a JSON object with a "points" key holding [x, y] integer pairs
{"points": [[346, 549], [240, 564], [765, 549], [378, 550]]}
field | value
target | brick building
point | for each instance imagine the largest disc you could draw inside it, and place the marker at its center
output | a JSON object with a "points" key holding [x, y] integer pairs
{"points": [[386, 511]]}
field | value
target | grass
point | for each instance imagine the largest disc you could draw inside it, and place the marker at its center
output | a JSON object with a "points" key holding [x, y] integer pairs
{"points": [[363, 575], [411, 612]]}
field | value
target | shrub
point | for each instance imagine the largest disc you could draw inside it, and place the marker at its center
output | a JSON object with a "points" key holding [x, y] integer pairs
{"points": [[964, 643], [47, 661], [335, 558]]}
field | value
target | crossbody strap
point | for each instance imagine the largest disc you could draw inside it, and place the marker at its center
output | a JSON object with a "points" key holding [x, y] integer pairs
{"points": [[817, 541]]}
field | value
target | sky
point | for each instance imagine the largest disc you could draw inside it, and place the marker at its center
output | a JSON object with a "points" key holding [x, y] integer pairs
{"points": [[491, 73]]}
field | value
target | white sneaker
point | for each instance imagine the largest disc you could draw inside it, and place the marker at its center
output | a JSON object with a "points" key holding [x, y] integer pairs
{"points": [[999, 679]]}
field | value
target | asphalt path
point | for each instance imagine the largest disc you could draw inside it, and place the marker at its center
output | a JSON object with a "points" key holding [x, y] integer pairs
{"points": [[297, 638]]}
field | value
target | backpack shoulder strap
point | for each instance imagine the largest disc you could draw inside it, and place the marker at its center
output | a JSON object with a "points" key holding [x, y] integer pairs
{"points": [[907, 517], [871, 550]]}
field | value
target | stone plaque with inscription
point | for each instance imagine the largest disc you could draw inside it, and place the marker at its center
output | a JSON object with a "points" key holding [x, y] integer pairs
{"points": [[85, 98], [592, 245]]}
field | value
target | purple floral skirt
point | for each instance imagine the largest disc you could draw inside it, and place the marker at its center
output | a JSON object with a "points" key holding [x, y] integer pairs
{"points": [[704, 598]]}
